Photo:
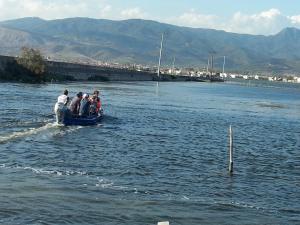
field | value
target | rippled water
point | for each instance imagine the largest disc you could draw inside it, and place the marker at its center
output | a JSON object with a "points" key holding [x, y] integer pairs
{"points": [[159, 154]]}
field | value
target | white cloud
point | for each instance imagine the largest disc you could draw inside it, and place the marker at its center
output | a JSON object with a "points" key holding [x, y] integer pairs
{"points": [[270, 14], [106, 10], [54, 9], [295, 19], [133, 13], [194, 19], [267, 22]]}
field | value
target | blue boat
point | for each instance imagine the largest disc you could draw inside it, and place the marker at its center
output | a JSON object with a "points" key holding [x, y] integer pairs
{"points": [[83, 121]]}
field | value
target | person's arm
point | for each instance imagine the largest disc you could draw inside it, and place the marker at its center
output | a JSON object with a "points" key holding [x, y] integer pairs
{"points": [[99, 104], [68, 99]]}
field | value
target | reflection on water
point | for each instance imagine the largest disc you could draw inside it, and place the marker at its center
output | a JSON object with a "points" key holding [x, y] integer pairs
{"points": [[160, 153]]}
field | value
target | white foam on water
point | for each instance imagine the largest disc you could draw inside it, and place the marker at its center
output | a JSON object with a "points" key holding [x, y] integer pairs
{"points": [[42, 171], [33, 131], [73, 128], [46, 171], [100, 182], [241, 205], [55, 172], [28, 132], [25, 123], [185, 198], [108, 184], [104, 183]]}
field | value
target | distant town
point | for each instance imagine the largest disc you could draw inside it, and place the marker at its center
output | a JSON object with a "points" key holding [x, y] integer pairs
{"points": [[189, 72]]}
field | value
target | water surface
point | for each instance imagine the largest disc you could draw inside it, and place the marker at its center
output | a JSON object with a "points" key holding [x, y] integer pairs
{"points": [[159, 154]]}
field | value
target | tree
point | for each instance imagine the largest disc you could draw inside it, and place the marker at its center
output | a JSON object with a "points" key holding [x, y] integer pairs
{"points": [[32, 60]]}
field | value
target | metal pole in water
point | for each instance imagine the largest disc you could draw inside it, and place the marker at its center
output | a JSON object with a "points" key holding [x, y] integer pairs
{"points": [[160, 53], [230, 150]]}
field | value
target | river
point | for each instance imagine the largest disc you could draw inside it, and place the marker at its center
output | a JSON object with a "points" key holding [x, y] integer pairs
{"points": [[160, 154]]}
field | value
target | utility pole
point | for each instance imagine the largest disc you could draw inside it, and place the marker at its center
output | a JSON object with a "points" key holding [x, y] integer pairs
{"points": [[160, 53], [173, 65], [207, 68], [224, 64], [212, 65]]}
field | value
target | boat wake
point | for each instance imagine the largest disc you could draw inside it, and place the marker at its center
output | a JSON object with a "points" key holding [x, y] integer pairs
{"points": [[45, 171], [25, 133], [90, 179]]}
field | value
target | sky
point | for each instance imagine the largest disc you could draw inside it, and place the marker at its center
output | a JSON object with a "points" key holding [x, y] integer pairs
{"points": [[265, 17]]}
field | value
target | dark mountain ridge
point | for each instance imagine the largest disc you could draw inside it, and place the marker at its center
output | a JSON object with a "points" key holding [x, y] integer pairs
{"points": [[138, 41]]}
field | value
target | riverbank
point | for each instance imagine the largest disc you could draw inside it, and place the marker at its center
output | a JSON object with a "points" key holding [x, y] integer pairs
{"points": [[62, 71]]}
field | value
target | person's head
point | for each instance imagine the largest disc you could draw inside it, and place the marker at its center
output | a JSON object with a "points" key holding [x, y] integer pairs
{"points": [[86, 96], [66, 92], [79, 94], [96, 93]]}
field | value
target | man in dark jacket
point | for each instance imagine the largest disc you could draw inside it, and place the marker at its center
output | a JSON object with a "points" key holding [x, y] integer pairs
{"points": [[75, 104], [84, 106]]}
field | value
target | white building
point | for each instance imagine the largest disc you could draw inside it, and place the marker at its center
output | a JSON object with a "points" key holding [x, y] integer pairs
{"points": [[192, 73], [177, 72], [224, 75]]}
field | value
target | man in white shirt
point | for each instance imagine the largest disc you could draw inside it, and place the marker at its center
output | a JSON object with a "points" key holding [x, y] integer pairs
{"points": [[60, 106]]}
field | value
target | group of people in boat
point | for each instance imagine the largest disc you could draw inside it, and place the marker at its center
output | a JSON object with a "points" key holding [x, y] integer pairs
{"points": [[82, 105]]}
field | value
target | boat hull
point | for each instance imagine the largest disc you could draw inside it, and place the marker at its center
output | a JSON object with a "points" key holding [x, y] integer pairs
{"points": [[82, 121]]}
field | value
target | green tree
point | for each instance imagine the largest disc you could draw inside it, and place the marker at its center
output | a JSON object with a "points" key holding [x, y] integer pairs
{"points": [[32, 60]]}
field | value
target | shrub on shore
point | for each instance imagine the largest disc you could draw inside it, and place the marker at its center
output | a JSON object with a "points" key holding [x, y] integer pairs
{"points": [[32, 60], [29, 67]]}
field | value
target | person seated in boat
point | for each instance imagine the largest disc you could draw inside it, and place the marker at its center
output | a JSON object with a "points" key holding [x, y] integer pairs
{"points": [[97, 102], [84, 109], [93, 106], [60, 107], [75, 104]]}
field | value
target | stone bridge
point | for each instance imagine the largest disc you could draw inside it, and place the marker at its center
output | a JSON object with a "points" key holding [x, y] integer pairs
{"points": [[97, 73]]}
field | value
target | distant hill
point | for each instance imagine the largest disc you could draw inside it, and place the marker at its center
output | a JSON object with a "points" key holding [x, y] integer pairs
{"points": [[138, 41]]}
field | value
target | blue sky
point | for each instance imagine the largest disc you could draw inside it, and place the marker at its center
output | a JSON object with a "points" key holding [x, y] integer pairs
{"points": [[240, 16], [219, 7]]}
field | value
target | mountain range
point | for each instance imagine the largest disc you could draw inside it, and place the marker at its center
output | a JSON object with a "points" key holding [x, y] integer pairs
{"points": [[138, 41]]}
